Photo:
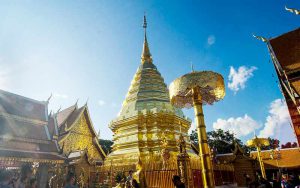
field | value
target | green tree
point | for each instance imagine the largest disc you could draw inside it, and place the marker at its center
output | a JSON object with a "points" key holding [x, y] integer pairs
{"points": [[220, 141], [106, 145], [274, 143]]}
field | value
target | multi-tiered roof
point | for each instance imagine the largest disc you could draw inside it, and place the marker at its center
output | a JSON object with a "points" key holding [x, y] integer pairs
{"points": [[24, 133]]}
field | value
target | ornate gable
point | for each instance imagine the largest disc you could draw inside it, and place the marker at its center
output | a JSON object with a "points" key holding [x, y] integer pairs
{"points": [[79, 135]]}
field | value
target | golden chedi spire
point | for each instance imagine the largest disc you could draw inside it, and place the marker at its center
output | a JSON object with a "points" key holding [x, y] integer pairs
{"points": [[146, 55], [145, 115], [148, 90]]}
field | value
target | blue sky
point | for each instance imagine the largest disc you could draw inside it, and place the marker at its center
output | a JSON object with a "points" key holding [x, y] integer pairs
{"points": [[91, 50]]}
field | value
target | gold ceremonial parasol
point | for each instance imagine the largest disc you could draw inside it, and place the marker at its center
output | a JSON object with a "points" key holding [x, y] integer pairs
{"points": [[258, 143], [193, 90]]}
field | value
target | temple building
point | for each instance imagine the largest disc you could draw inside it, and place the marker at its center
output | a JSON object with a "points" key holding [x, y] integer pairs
{"points": [[286, 160], [54, 143], [25, 137], [229, 168], [147, 117], [284, 51], [78, 140]]}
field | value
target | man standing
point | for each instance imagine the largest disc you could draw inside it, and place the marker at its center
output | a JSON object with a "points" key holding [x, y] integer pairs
{"points": [[129, 177]]}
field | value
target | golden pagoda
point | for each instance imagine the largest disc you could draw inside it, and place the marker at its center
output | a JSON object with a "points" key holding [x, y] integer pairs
{"points": [[148, 125]]}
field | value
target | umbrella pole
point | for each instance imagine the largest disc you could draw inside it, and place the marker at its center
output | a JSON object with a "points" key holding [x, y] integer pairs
{"points": [[262, 167], [206, 163]]}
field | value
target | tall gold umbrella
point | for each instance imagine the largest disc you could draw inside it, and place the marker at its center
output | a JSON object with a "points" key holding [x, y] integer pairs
{"points": [[193, 90], [258, 143]]}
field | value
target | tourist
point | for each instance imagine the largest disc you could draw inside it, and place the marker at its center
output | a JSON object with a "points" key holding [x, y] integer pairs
{"points": [[6, 177], [33, 183], [135, 184], [26, 172], [129, 177], [285, 183], [177, 182], [70, 181]]}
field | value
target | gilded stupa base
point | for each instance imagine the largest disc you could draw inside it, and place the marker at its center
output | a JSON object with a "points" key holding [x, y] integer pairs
{"points": [[149, 161]]}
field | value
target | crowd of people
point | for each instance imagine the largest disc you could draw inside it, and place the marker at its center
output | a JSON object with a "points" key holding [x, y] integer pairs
{"points": [[25, 179], [12, 179], [282, 181]]}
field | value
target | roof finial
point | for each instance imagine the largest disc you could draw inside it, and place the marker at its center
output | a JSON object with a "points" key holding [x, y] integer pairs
{"points": [[48, 100], [146, 55], [192, 67], [58, 110], [264, 39], [145, 22], [86, 103], [98, 134], [292, 10], [76, 102]]}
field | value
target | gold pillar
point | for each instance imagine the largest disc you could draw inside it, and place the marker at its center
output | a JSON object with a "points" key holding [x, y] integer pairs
{"points": [[206, 163], [261, 164]]}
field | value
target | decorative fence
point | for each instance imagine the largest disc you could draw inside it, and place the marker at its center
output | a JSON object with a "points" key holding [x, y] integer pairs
{"points": [[160, 178], [158, 175]]}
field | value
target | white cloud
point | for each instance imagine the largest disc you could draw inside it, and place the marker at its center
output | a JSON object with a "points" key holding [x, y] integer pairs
{"points": [[238, 78], [101, 102], [277, 124], [211, 40], [277, 118], [240, 126], [60, 96]]}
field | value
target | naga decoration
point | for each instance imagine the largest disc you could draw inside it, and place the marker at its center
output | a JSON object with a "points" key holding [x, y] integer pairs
{"points": [[293, 10]]}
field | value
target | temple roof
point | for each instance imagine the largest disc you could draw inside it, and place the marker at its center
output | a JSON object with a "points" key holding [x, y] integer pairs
{"points": [[287, 50], [24, 129], [285, 53], [70, 119], [51, 126], [22, 117], [286, 158], [227, 157], [17, 105], [148, 91], [64, 114], [11, 127]]}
